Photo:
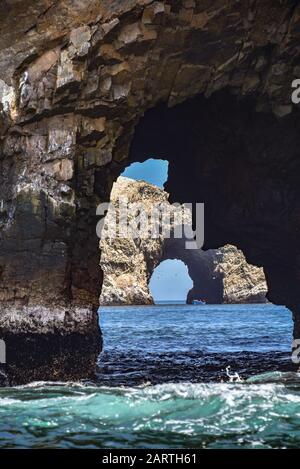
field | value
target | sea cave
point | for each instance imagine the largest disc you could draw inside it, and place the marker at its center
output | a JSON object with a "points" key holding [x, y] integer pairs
{"points": [[205, 86]]}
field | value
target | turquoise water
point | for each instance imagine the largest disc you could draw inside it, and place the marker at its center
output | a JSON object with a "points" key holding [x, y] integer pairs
{"points": [[143, 398]]}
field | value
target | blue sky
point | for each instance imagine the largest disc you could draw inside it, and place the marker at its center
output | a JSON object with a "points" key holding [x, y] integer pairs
{"points": [[153, 171], [170, 279]]}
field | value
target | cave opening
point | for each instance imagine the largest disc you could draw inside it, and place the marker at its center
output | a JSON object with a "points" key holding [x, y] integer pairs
{"points": [[240, 163], [170, 282], [130, 265], [207, 142], [153, 171], [221, 151]]}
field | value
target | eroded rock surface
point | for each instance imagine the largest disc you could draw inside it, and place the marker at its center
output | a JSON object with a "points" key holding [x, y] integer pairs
{"points": [[242, 282], [49, 343], [76, 79], [128, 262], [219, 276]]}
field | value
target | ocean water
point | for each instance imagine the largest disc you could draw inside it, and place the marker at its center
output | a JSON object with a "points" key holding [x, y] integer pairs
{"points": [[176, 343], [170, 377]]}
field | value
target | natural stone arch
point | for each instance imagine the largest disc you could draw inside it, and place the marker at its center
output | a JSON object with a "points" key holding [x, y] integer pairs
{"points": [[76, 77], [207, 284], [128, 263], [170, 282]]}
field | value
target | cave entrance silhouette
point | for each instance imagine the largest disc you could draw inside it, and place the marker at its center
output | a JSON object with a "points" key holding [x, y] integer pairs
{"points": [[239, 162], [153, 171], [170, 282], [128, 265]]}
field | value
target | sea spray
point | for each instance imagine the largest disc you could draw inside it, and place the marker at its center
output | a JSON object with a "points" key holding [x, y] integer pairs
{"points": [[183, 415], [233, 378]]}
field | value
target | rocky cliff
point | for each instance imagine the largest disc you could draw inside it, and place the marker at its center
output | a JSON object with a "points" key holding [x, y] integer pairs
{"points": [[88, 86], [221, 275], [242, 282], [128, 262]]}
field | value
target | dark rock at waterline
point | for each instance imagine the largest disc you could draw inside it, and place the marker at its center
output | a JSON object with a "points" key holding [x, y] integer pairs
{"points": [[116, 368], [49, 344]]}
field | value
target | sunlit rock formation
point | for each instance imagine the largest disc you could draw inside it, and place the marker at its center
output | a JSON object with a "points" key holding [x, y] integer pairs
{"points": [[219, 276], [128, 262], [242, 282], [213, 82]]}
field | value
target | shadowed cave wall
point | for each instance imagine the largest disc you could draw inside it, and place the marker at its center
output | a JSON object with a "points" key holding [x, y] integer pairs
{"points": [[213, 81], [242, 165]]}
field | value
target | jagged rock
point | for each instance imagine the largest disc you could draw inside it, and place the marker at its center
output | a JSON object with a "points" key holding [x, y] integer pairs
{"points": [[207, 85], [49, 343], [221, 275], [242, 282], [128, 262]]}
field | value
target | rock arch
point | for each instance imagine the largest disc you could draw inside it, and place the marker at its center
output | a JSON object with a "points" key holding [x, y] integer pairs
{"points": [[75, 80], [170, 283], [219, 276]]}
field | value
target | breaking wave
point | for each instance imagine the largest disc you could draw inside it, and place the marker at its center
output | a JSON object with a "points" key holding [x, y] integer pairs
{"points": [[263, 412]]}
